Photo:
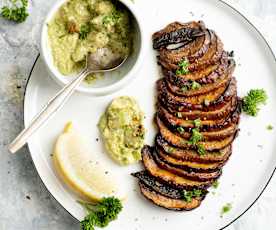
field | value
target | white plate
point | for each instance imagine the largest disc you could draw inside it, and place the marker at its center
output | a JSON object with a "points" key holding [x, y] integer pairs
{"points": [[253, 160]]}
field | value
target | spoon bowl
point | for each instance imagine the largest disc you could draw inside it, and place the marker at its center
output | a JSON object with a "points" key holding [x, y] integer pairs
{"points": [[104, 60]]}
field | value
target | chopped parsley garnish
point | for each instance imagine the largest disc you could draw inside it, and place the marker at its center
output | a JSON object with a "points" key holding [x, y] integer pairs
{"points": [[190, 85], [226, 208], [195, 85], [201, 150], [112, 18], [215, 184], [269, 127], [197, 123], [189, 195], [183, 67], [180, 129], [84, 31], [251, 102], [17, 11], [170, 149], [184, 89], [195, 137], [99, 215]]}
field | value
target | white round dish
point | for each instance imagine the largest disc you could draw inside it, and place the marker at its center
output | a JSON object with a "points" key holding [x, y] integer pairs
{"points": [[252, 163], [112, 81]]}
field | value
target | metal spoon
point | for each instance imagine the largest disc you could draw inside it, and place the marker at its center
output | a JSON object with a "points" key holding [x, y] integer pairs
{"points": [[103, 60]]}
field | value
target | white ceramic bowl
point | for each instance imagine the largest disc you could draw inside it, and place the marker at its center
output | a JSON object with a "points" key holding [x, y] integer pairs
{"points": [[111, 81]]}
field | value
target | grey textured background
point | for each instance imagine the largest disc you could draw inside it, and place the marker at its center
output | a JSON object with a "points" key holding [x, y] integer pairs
{"points": [[25, 204]]}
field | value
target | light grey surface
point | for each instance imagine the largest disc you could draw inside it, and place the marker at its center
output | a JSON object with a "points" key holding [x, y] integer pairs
{"points": [[25, 204]]}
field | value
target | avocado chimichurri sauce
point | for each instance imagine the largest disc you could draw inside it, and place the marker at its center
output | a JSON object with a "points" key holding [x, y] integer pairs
{"points": [[83, 26], [123, 131]]}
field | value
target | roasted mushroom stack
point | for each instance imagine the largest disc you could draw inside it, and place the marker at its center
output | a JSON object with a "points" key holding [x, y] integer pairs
{"points": [[197, 116]]}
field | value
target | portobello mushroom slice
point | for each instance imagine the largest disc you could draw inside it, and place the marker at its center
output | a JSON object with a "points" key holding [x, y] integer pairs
{"points": [[167, 177], [192, 166], [209, 58], [166, 202], [218, 124], [212, 56], [169, 60], [177, 33], [181, 171], [211, 159], [195, 49], [174, 101], [174, 122], [188, 124], [190, 115], [198, 99], [181, 142], [178, 25], [194, 76], [158, 186], [208, 135], [218, 78], [204, 76]]}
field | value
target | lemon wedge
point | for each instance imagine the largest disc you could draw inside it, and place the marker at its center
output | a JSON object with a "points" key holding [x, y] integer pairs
{"points": [[81, 169]]}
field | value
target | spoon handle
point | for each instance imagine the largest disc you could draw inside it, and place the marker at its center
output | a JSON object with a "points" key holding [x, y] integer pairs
{"points": [[52, 106]]}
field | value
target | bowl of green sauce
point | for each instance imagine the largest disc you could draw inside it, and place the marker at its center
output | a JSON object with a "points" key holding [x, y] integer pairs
{"points": [[75, 28]]}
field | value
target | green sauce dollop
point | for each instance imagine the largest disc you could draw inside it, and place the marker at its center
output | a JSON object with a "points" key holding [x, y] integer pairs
{"points": [[123, 131]]}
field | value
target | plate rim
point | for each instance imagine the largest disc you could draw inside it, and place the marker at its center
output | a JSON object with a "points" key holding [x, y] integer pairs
{"points": [[273, 171]]}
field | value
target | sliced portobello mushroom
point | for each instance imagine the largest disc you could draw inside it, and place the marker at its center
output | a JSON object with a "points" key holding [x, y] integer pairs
{"points": [[166, 202], [173, 113], [211, 96], [181, 142], [170, 59], [214, 53], [195, 49], [167, 177], [211, 159], [209, 121], [208, 135], [182, 86], [191, 166], [158, 186], [177, 33], [183, 172], [171, 100]]}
